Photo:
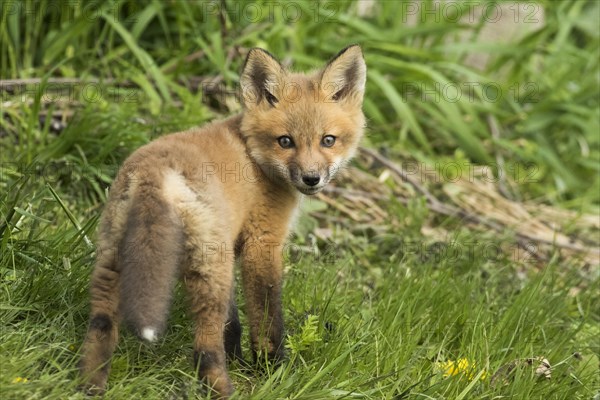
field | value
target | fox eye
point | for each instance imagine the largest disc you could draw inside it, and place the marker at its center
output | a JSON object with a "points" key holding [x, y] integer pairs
{"points": [[285, 142], [337, 95], [328, 141]]}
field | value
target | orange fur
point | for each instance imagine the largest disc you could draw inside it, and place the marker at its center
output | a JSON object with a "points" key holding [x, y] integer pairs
{"points": [[187, 204]]}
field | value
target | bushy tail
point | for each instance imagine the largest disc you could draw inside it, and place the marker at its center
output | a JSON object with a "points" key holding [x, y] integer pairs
{"points": [[149, 257]]}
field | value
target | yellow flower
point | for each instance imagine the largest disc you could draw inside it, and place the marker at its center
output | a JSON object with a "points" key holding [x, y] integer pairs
{"points": [[460, 367], [18, 379]]}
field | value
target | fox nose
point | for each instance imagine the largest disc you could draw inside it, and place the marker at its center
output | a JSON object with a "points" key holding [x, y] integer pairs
{"points": [[311, 180]]}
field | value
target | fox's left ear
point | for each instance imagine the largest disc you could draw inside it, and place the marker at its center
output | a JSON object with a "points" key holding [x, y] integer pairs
{"points": [[344, 77]]}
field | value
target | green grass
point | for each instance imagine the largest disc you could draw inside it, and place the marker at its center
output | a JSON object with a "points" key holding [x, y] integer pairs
{"points": [[376, 313], [379, 327]]}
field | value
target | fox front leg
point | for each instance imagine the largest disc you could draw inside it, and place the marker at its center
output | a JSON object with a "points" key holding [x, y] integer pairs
{"points": [[233, 333], [262, 274]]}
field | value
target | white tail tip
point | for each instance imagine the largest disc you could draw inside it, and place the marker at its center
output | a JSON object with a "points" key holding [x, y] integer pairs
{"points": [[149, 334]]}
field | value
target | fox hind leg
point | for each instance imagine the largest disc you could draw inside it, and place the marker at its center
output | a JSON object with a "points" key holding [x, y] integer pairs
{"points": [[103, 330]]}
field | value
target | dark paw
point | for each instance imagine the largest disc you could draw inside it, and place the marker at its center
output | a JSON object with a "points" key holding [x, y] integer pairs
{"points": [[222, 389], [278, 357], [234, 353], [212, 375], [263, 360], [91, 390]]}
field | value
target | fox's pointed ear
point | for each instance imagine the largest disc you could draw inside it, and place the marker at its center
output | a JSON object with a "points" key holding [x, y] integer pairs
{"points": [[344, 77], [261, 79]]}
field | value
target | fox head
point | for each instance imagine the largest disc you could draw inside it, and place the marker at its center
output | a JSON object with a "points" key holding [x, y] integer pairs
{"points": [[302, 128]]}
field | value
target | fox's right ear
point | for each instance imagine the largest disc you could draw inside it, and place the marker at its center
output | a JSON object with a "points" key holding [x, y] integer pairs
{"points": [[261, 79]]}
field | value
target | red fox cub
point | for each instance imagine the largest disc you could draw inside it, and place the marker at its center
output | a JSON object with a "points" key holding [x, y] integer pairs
{"points": [[188, 204]]}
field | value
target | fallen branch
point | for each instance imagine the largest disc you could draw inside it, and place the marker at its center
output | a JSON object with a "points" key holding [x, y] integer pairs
{"points": [[523, 238]]}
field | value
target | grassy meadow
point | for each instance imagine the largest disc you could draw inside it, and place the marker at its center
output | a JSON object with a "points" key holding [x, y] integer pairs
{"points": [[422, 291]]}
